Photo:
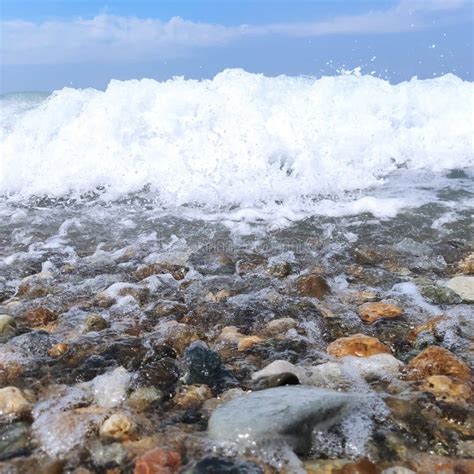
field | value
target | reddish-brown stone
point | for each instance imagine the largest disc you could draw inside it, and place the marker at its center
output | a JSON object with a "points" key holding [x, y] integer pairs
{"points": [[358, 345], [429, 326], [158, 461], [371, 312], [313, 285], [437, 361], [39, 316], [364, 466]]}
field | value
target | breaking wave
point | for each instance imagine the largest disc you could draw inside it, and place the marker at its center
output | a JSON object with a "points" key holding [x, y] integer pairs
{"points": [[240, 139]]}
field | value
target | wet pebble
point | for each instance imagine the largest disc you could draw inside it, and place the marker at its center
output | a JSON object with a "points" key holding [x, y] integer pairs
{"points": [[466, 265], [279, 380], [222, 465], [58, 349], [95, 322], [14, 440], [177, 271], [437, 361], [209, 263], [371, 312], [159, 461], [278, 327], [12, 403], [35, 286], [463, 286], [248, 342], [40, 316], [447, 389], [7, 327], [142, 398], [230, 335], [192, 396], [278, 414], [438, 294], [118, 426], [358, 345], [280, 270], [313, 285], [204, 366], [169, 308], [107, 454]]}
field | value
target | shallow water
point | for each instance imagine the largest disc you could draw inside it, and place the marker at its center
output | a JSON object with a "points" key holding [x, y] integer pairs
{"points": [[81, 234]]}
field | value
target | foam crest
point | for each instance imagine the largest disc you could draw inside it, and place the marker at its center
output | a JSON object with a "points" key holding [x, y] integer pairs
{"points": [[238, 139]]}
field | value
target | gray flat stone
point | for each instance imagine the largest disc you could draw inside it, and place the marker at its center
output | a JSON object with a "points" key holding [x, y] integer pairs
{"points": [[282, 414], [464, 287]]}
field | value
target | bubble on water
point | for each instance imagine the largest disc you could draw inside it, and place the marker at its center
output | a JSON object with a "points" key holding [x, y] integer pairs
{"points": [[110, 389]]}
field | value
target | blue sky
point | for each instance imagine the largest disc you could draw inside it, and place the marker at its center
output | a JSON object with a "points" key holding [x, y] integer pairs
{"points": [[50, 44]]}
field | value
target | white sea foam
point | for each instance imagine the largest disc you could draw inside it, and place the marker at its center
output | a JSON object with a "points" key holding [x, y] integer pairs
{"points": [[239, 139]]}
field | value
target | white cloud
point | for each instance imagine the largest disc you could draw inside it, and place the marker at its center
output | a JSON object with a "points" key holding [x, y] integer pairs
{"points": [[108, 38]]}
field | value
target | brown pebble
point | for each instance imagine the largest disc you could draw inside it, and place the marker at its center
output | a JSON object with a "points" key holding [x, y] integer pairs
{"points": [[467, 265], [117, 426], [248, 342], [429, 326], [424, 463], [313, 285], [446, 389], [95, 322], [364, 466], [280, 270], [178, 272], [40, 316], [230, 335], [58, 349], [12, 402], [371, 312], [358, 345], [279, 326], [436, 360], [192, 396], [158, 461]]}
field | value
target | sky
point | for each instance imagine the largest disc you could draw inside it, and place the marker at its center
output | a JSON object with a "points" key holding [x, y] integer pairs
{"points": [[49, 44]]}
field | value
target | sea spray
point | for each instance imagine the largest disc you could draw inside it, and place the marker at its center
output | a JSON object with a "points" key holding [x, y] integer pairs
{"points": [[240, 139]]}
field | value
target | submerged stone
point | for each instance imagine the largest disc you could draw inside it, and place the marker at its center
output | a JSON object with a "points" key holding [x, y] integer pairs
{"points": [[95, 322], [34, 344], [158, 460], [192, 396], [313, 285], [279, 380], [467, 265], [248, 342], [280, 270], [221, 465], [447, 389], [208, 262], [430, 326], [278, 327], [40, 316], [13, 403], [204, 366], [279, 415], [118, 426], [437, 361], [14, 440], [7, 327], [439, 294]]}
